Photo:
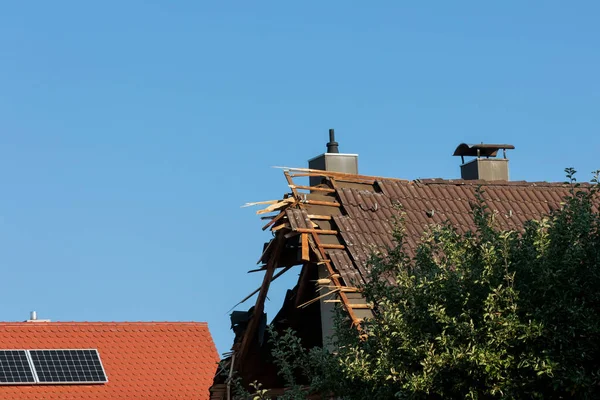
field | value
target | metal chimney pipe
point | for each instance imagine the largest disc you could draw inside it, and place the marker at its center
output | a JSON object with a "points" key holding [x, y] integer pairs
{"points": [[333, 161], [332, 146], [33, 316]]}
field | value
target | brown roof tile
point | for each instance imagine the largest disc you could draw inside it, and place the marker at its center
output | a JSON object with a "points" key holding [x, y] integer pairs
{"points": [[298, 218], [367, 219]]}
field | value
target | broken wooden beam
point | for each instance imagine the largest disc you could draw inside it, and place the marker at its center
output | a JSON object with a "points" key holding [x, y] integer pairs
{"points": [[276, 206], [280, 226], [250, 331], [313, 188], [363, 306], [332, 246], [256, 203], [322, 203], [277, 275], [320, 231], [314, 300], [305, 248], [277, 218], [320, 217], [341, 176]]}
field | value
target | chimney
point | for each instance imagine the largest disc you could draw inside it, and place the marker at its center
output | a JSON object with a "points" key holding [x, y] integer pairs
{"points": [[333, 160], [33, 318], [485, 166]]}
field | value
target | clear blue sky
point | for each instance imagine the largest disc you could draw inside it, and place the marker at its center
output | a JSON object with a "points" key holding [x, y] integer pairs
{"points": [[131, 132]]}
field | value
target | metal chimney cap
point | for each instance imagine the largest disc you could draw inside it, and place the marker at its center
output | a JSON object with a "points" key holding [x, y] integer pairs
{"points": [[480, 150], [332, 146]]}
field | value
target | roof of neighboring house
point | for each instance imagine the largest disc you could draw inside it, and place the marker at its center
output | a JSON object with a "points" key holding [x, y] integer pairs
{"points": [[142, 360]]}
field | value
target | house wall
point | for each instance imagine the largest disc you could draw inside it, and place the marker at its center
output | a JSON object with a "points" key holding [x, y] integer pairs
{"points": [[327, 310]]}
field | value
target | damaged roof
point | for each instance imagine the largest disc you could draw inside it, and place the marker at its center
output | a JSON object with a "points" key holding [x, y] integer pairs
{"points": [[332, 227], [348, 217]]}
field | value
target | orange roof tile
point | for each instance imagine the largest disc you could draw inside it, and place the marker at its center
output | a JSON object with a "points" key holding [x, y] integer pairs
{"points": [[143, 360]]}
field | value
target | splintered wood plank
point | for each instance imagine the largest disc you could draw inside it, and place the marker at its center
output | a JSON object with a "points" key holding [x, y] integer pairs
{"points": [[260, 302], [277, 275], [313, 188], [277, 218], [320, 217], [333, 183], [320, 231], [360, 306], [349, 178], [341, 176], [333, 246], [290, 182], [276, 206], [305, 249], [256, 203], [280, 226], [322, 203]]}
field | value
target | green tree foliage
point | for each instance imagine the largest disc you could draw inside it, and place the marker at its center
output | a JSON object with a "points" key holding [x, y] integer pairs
{"points": [[483, 314]]}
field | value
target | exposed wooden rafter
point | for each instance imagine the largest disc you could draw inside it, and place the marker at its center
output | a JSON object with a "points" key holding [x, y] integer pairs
{"points": [[260, 301]]}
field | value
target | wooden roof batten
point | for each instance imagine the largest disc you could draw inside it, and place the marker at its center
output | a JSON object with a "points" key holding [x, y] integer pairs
{"points": [[341, 176], [310, 240], [315, 243]]}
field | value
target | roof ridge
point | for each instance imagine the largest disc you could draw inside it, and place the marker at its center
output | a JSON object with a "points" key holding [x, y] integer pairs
{"points": [[476, 182], [54, 323], [429, 181], [340, 175]]}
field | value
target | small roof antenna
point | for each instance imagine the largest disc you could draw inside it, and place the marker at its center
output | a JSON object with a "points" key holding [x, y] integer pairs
{"points": [[332, 146]]}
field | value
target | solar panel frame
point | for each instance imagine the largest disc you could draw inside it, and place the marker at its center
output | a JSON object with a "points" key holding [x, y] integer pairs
{"points": [[8, 366], [47, 367]]}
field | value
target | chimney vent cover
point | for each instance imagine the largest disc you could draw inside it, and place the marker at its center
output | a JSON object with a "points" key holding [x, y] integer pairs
{"points": [[481, 150], [483, 167]]}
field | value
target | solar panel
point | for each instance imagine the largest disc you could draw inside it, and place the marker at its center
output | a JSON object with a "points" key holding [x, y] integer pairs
{"points": [[68, 366], [15, 368]]}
